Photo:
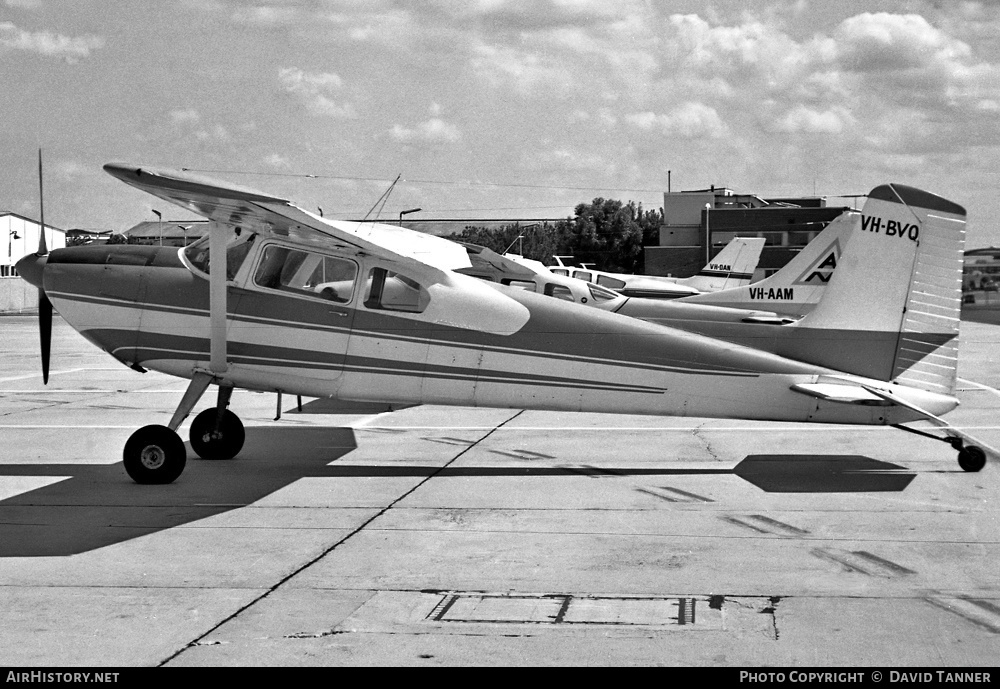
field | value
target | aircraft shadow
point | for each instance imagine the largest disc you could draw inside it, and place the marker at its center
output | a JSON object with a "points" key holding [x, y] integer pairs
{"points": [[822, 474], [333, 406], [100, 505], [770, 473]]}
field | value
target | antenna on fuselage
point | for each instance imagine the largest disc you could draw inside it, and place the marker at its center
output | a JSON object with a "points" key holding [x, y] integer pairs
{"points": [[382, 199]]}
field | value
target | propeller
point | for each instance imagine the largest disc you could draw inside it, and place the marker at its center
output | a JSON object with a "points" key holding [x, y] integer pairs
{"points": [[44, 305]]}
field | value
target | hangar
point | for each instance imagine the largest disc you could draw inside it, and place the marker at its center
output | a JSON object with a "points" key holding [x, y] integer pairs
{"points": [[21, 234]]}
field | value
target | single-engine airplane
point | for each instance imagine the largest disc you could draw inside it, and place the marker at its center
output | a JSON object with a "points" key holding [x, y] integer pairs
{"points": [[275, 298], [730, 268]]}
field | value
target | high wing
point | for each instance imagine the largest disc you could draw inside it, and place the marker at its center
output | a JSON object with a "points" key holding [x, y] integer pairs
{"points": [[266, 214]]}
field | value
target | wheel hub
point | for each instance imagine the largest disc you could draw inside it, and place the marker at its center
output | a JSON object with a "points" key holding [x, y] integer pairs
{"points": [[152, 456]]}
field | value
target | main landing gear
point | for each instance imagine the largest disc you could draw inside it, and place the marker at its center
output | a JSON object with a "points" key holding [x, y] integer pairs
{"points": [[156, 454], [970, 457]]}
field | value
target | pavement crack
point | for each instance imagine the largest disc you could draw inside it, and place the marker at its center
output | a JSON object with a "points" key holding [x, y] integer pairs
{"points": [[288, 577], [772, 610], [697, 432]]}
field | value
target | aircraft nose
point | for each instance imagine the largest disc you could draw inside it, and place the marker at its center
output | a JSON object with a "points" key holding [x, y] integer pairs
{"points": [[31, 268]]}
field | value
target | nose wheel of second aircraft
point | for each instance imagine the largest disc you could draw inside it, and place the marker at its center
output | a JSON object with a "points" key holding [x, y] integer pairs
{"points": [[213, 437]]}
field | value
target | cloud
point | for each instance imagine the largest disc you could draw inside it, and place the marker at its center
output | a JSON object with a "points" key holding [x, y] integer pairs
{"points": [[802, 119], [47, 43], [72, 170], [881, 41], [266, 15], [187, 116], [434, 130], [521, 70], [216, 132], [277, 161], [190, 120], [691, 120], [315, 89]]}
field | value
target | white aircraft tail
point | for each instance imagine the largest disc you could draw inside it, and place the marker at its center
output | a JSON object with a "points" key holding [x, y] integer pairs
{"points": [[891, 310], [731, 267], [797, 287]]}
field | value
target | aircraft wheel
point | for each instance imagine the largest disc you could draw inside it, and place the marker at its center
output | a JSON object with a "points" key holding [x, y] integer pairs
{"points": [[224, 444], [971, 458], [154, 455]]}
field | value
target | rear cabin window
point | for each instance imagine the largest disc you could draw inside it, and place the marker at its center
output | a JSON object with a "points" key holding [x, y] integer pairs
{"points": [[306, 273], [609, 282], [559, 271], [526, 285], [583, 275], [558, 291], [392, 291]]}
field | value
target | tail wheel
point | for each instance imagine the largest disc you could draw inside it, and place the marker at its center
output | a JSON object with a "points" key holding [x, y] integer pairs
{"points": [[224, 443], [154, 455], [971, 458]]}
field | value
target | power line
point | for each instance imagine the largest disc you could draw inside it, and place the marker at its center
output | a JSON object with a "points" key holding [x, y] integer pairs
{"points": [[416, 181]]}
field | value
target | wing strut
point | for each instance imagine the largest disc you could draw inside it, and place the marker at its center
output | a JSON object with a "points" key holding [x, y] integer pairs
{"points": [[218, 234]]}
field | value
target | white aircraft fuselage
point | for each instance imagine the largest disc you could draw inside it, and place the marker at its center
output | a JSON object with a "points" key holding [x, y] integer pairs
{"points": [[474, 344]]}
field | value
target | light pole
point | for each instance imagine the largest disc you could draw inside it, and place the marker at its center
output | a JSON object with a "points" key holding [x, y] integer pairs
{"points": [[708, 235], [159, 220], [402, 213]]}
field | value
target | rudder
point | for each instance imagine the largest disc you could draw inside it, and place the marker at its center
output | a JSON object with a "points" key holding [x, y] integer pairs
{"points": [[891, 310]]}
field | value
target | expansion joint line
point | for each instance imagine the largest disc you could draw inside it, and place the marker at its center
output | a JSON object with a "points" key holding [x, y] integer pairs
{"points": [[310, 563]]}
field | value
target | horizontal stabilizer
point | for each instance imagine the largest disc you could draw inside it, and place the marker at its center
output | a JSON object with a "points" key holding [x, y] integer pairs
{"points": [[842, 392], [936, 421]]}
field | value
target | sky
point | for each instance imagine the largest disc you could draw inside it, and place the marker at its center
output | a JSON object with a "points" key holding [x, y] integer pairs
{"points": [[497, 108]]}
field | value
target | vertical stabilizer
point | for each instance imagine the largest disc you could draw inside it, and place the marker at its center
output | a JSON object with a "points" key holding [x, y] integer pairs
{"points": [[798, 286], [891, 310], [731, 267]]}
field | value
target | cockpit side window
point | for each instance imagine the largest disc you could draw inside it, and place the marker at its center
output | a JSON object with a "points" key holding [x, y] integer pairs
{"points": [[306, 273], [237, 248], [392, 291], [599, 294]]}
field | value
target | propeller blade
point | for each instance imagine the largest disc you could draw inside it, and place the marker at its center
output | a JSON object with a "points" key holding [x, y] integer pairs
{"points": [[42, 248], [45, 331], [44, 305]]}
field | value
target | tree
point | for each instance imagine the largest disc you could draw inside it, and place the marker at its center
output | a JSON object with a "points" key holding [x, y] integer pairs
{"points": [[605, 232]]}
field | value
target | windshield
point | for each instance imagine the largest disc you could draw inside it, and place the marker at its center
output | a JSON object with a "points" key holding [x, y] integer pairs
{"points": [[599, 294], [237, 247]]}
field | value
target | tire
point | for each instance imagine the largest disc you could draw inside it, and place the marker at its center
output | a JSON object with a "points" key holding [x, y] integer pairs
{"points": [[225, 444], [971, 458], [154, 455]]}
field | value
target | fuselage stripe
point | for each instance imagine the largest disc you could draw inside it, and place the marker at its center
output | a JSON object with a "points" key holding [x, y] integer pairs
{"points": [[397, 337]]}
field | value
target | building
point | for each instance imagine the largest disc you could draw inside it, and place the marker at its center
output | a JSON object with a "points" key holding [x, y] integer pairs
{"points": [[167, 233], [697, 224], [21, 236], [78, 236], [982, 270]]}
